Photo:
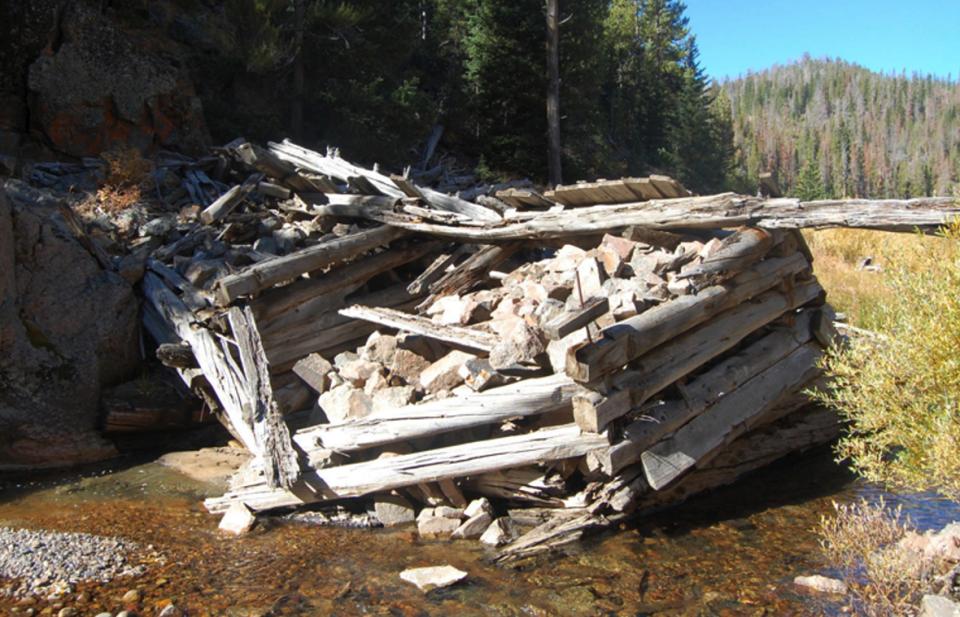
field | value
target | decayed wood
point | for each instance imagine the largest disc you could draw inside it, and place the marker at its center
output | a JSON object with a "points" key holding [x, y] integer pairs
{"points": [[435, 270], [698, 395], [225, 379], [280, 463], [268, 164], [529, 485], [176, 355], [728, 418], [225, 204], [633, 337], [409, 469], [470, 338], [526, 398], [668, 363], [471, 272], [737, 252], [711, 212], [566, 323], [269, 272]]}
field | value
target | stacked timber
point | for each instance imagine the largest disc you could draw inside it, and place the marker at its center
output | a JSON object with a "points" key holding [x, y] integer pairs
{"points": [[517, 368]]}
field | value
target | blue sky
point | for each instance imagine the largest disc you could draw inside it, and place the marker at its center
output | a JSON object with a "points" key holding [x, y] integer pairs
{"points": [[883, 35]]}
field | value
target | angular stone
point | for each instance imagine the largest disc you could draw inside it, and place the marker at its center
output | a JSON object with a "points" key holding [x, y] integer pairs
{"points": [[567, 258], [314, 370], [238, 520], [393, 509], [610, 259], [822, 584], [343, 358], [591, 277], [437, 526], [359, 371], [479, 375], [433, 577], [408, 366], [375, 383], [345, 402], [392, 398], [380, 348], [522, 344], [938, 606], [622, 246], [444, 374], [473, 527], [500, 532]]}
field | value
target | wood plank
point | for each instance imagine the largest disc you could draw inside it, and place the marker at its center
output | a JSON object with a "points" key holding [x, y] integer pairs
{"points": [[280, 463], [269, 272], [635, 336], [565, 323], [728, 418], [388, 473], [225, 204], [684, 354], [525, 398], [726, 210], [470, 338], [658, 421], [666, 186]]}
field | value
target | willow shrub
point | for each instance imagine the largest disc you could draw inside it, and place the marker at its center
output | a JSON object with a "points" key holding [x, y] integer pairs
{"points": [[900, 390]]}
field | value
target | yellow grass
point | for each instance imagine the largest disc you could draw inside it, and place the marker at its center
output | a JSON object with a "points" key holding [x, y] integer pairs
{"points": [[856, 292]]}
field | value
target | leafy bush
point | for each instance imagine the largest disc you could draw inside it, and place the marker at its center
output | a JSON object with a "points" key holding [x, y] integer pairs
{"points": [[900, 390]]}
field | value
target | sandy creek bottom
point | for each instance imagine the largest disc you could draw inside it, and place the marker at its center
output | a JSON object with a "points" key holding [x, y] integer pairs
{"points": [[733, 551]]}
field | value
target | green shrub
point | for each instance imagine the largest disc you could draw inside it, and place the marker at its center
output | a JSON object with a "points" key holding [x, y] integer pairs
{"points": [[900, 390]]}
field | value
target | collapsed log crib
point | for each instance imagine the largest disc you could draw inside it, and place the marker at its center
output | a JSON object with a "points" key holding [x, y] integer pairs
{"points": [[576, 356]]}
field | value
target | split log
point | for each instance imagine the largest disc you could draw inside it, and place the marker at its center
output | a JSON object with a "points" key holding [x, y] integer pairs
{"points": [[728, 418], [737, 252], [566, 323], [700, 394], [712, 212], [268, 273], [280, 463], [635, 336], [225, 204], [436, 270], [470, 338], [526, 398], [221, 372], [668, 363], [471, 272], [388, 473]]}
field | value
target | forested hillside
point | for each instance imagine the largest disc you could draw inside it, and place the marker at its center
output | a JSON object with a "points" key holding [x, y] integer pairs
{"points": [[834, 129], [376, 80]]}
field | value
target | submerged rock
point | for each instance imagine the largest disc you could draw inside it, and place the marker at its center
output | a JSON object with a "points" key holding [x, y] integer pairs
{"points": [[823, 584], [433, 577], [238, 520]]}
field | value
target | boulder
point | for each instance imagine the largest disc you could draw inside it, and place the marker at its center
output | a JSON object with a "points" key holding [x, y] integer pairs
{"points": [[436, 526], [938, 606], [500, 532], [99, 87], [393, 509], [345, 402], [522, 344], [67, 328], [237, 520], [396, 397], [473, 527], [444, 374], [408, 366]]}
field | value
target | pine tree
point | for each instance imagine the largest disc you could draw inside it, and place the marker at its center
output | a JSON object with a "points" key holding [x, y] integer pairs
{"points": [[810, 183]]}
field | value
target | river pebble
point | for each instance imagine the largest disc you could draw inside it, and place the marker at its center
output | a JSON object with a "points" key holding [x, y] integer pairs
{"points": [[49, 563]]}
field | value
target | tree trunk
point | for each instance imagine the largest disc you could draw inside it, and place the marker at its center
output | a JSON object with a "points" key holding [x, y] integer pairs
{"points": [[296, 100], [553, 91]]}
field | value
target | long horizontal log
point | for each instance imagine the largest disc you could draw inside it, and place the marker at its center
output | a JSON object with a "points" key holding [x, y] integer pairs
{"points": [[737, 252], [526, 398], [269, 272], [728, 418], [633, 337], [700, 394], [669, 362], [716, 211], [389, 473], [471, 338]]}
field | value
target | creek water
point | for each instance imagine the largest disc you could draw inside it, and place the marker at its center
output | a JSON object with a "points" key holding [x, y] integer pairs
{"points": [[733, 551]]}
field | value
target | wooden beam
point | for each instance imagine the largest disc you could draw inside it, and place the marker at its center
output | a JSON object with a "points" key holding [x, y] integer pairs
{"points": [[525, 398], [388, 473], [471, 338], [269, 272], [728, 418], [565, 323], [669, 362], [635, 336]]}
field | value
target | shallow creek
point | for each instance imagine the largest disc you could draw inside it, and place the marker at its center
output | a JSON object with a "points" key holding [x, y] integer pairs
{"points": [[734, 551]]}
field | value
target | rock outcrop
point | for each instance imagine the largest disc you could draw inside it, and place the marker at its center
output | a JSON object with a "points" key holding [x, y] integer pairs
{"points": [[67, 326], [96, 87]]}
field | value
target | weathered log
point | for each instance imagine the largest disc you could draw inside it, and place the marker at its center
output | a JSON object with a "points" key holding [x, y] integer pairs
{"points": [[435, 270], [566, 323], [526, 398], [668, 363], [225, 204], [530, 485], [470, 338], [176, 355], [471, 272], [268, 273], [712, 212], [728, 418], [737, 252], [383, 474], [280, 463], [705, 390], [635, 336]]}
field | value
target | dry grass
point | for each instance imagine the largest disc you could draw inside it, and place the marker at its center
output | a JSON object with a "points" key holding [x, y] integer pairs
{"points": [[861, 293], [884, 578], [128, 172]]}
